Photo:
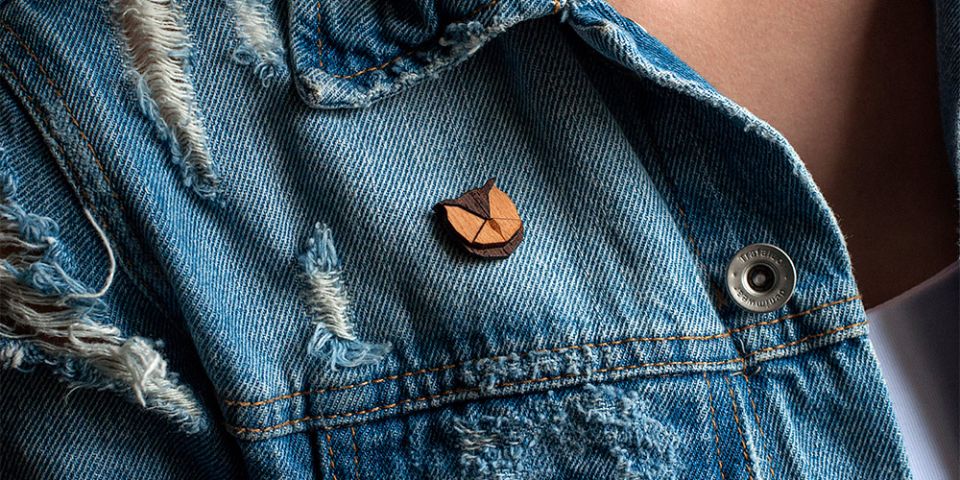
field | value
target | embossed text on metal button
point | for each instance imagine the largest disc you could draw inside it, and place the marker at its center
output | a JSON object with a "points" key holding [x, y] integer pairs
{"points": [[761, 277]]}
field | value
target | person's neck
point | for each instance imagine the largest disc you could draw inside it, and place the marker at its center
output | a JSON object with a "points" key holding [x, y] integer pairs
{"points": [[853, 86]]}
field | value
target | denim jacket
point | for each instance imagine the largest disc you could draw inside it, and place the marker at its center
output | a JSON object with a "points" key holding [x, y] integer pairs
{"points": [[220, 256]]}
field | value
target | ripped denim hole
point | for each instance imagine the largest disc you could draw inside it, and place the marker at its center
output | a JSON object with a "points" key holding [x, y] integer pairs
{"points": [[158, 51], [333, 338], [260, 43], [48, 317]]}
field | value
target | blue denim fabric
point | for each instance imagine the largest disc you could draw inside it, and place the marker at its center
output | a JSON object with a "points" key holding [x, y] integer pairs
{"points": [[603, 347]]}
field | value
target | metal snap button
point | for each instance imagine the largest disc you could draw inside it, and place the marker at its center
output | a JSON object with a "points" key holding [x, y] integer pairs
{"points": [[761, 278]]}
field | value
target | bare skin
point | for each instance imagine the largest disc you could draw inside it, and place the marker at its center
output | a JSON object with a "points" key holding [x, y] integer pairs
{"points": [[852, 84]]}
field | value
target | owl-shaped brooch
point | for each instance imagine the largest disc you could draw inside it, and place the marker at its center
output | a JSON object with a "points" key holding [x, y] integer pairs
{"points": [[484, 221]]}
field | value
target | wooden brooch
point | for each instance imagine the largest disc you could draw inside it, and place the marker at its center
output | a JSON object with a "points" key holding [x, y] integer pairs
{"points": [[484, 220]]}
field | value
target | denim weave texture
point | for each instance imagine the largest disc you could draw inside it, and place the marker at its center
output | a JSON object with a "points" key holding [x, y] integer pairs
{"points": [[264, 174]]}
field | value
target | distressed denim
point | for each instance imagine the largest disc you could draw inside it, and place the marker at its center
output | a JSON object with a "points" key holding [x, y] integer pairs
{"points": [[254, 184]]}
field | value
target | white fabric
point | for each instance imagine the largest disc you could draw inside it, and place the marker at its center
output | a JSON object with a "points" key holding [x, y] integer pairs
{"points": [[916, 339]]}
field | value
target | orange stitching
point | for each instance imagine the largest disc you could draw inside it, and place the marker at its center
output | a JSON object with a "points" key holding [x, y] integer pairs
{"points": [[736, 418], [713, 419], [402, 54], [805, 339], [345, 387], [46, 122], [371, 69], [63, 153], [728, 333], [556, 6], [66, 107], [391, 406], [59, 92], [333, 467], [445, 393], [356, 452], [763, 435], [798, 314], [454, 391]]}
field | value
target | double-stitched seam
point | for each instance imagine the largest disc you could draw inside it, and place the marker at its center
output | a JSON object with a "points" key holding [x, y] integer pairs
{"points": [[356, 452], [73, 119], [445, 393], [805, 339], [763, 435], [268, 401], [796, 315], [247, 404], [333, 466], [405, 53], [35, 105], [736, 419], [455, 391], [74, 171], [713, 420]]}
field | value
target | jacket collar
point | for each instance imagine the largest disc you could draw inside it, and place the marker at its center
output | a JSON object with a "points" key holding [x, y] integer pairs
{"points": [[349, 54]]}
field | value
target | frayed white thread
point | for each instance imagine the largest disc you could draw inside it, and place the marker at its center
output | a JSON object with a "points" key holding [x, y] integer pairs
{"points": [[11, 356], [158, 50], [43, 305], [112, 268], [260, 41], [329, 305]]}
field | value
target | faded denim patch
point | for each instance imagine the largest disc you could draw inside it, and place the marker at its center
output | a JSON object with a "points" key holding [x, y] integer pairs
{"points": [[600, 428]]}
